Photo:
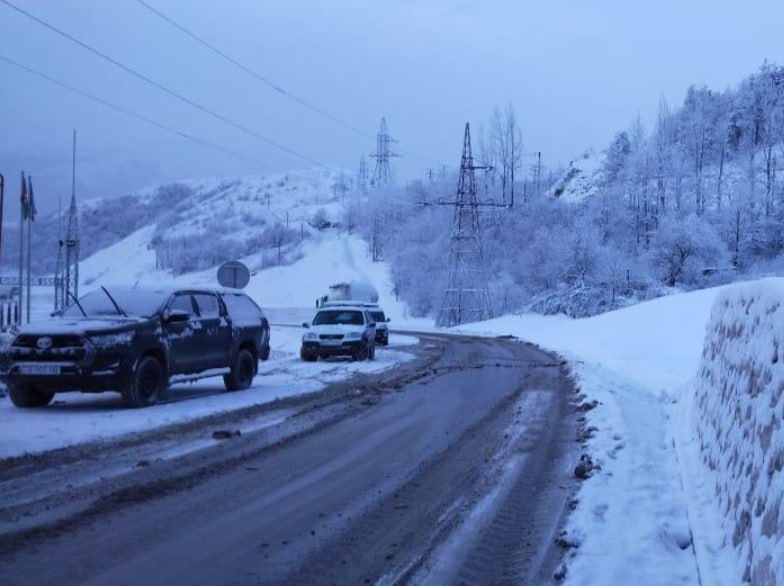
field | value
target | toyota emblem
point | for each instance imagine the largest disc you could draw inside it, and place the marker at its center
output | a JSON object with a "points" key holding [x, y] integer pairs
{"points": [[44, 343]]}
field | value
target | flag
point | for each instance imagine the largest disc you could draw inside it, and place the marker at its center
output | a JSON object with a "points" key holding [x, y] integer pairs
{"points": [[32, 210], [25, 199]]}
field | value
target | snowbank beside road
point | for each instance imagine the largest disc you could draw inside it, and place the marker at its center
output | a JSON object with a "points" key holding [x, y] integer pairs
{"points": [[632, 523], [735, 433]]}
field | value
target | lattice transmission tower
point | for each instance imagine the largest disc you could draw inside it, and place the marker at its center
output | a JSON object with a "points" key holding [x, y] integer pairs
{"points": [[382, 174], [362, 177], [466, 297]]}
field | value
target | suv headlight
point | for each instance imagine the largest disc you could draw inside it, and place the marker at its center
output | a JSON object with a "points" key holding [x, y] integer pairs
{"points": [[112, 339], [310, 336], [353, 336]]}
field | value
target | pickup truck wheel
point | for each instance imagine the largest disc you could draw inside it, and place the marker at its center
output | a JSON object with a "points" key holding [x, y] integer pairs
{"points": [[242, 372], [25, 396], [265, 353], [147, 383]]}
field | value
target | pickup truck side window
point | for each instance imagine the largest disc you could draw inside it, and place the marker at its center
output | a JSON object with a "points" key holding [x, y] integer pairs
{"points": [[207, 304], [182, 302], [242, 309]]}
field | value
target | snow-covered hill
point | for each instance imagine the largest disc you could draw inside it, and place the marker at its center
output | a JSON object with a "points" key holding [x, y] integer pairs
{"points": [[318, 257], [581, 179], [197, 222]]}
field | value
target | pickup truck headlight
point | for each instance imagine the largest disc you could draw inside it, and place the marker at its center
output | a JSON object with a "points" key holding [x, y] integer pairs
{"points": [[119, 339], [310, 336], [353, 336]]}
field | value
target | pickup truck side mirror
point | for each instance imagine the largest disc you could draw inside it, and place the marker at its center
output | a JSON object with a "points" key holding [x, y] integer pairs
{"points": [[389, 319], [177, 316], [372, 324], [305, 324]]}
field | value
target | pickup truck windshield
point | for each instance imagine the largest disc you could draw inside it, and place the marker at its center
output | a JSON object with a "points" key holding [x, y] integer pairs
{"points": [[134, 302], [338, 316]]}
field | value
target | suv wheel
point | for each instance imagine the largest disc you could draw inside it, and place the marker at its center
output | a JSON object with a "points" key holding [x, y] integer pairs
{"points": [[242, 372], [307, 355], [147, 383], [362, 352], [28, 396]]}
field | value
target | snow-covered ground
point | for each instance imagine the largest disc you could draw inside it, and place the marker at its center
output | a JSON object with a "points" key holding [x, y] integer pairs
{"points": [[640, 511], [635, 521], [76, 418], [287, 293]]}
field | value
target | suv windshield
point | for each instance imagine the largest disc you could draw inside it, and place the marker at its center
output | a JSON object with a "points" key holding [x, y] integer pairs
{"points": [[339, 316], [136, 303]]}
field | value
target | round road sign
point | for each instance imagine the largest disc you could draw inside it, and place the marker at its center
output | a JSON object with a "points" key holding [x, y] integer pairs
{"points": [[233, 274]]}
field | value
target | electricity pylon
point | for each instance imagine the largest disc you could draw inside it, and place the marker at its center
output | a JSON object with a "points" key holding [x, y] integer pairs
{"points": [[466, 297], [383, 172]]}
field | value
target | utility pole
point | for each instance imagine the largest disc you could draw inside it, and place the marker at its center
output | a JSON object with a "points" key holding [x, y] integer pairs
{"points": [[538, 172], [466, 297], [71, 280], [383, 172]]}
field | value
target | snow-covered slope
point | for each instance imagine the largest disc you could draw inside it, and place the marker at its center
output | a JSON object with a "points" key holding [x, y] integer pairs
{"points": [[326, 256], [240, 206], [581, 180], [197, 219]]}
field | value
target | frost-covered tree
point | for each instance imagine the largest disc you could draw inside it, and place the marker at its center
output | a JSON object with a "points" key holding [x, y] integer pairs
{"points": [[684, 248]]}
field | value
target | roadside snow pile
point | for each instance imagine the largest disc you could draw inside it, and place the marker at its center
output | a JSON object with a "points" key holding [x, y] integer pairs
{"points": [[737, 418]]}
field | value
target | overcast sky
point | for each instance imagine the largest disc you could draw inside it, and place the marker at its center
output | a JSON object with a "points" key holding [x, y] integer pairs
{"points": [[576, 71]]}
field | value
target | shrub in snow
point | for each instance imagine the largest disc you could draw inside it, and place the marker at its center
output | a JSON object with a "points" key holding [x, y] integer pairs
{"points": [[739, 420], [683, 247]]}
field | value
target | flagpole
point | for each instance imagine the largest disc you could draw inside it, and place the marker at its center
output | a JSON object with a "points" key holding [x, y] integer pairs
{"points": [[2, 206], [21, 252], [30, 217]]}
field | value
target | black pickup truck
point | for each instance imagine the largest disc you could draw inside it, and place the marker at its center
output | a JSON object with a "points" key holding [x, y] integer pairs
{"points": [[138, 342]]}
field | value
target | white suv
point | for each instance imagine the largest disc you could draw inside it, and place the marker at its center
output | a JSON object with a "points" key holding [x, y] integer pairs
{"points": [[340, 330], [382, 324]]}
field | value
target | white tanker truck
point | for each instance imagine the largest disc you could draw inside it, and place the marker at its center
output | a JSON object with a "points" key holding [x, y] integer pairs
{"points": [[357, 291]]}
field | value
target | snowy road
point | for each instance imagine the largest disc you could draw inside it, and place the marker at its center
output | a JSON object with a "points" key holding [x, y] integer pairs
{"points": [[454, 467]]}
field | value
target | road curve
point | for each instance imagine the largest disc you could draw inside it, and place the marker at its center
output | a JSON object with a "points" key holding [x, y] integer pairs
{"points": [[454, 469]]}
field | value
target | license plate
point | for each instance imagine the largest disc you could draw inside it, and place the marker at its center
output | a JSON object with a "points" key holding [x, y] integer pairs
{"points": [[46, 369], [331, 342]]}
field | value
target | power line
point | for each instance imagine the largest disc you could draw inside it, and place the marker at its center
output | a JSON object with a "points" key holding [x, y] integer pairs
{"points": [[125, 111], [160, 86], [253, 73], [266, 81]]}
